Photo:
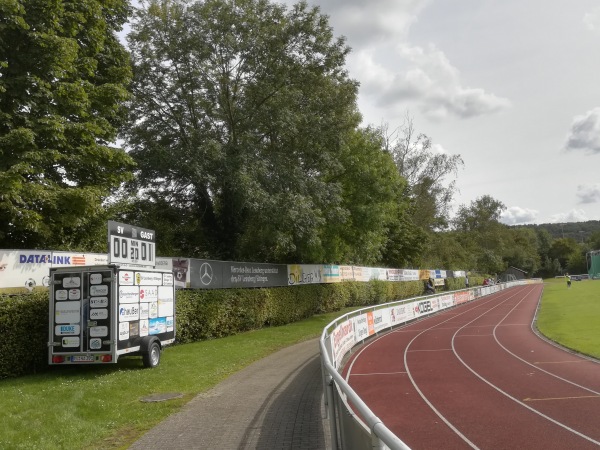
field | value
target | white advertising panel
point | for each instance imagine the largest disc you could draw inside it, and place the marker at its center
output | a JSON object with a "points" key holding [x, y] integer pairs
{"points": [[342, 340], [165, 301], [446, 301], [123, 331], [400, 314], [67, 312], [128, 312], [149, 293], [361, 327], [66, 330], [129, 294], [381, 319], [155, 278]]}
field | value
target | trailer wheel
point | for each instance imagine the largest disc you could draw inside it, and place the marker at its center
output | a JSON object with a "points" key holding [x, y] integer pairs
{"points": [[152, 357]]}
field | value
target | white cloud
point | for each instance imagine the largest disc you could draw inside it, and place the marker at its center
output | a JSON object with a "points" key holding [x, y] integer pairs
{"points": [[585, 132], [575, 215], [517, 215], [592, 19], [426, 78], [588, 193]]}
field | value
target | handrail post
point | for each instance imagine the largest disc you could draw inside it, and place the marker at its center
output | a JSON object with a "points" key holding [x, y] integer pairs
{"points": [[331, 412]]}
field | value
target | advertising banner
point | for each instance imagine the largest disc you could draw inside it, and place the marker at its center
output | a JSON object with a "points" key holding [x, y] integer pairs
{"points": [[409, 275], [424, 274], [305, 274], [361, 327], [346, 273], [446, 301], [425, 307], [462, 297], [394, 274], [251, 275], [400, 314], [331, 274], [30, 268], [361, 273], [342, 340], [211, 274], [381, 319]]}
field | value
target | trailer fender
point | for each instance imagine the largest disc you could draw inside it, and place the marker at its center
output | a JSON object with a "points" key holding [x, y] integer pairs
{"points": [[147, 342]]}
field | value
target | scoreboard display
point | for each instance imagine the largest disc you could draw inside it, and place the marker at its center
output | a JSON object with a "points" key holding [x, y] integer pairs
{"points": [[128, 244]]}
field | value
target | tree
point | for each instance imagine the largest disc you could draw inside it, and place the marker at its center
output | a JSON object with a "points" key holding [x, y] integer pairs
{"points": [[562, 250], [479, 230], [63, 78], [482, 214], [238, 120], [522, 249], [377, 219], [426, 171], [594, 241]]}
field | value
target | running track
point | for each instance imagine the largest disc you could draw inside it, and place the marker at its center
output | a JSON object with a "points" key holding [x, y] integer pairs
{"points": [[478, 376]]}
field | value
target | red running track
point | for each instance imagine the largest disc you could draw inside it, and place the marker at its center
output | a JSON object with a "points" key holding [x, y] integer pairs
{"points": [[478, 376]]}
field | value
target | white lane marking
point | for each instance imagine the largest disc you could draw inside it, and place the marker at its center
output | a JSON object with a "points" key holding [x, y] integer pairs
{"points": [[425, 399], [535, 411], [533, 365]]}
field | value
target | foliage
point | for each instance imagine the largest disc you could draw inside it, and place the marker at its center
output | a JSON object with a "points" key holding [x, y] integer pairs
{"points": [[24, 331], [63, 78], [426, 171], [377, 213], [239, 115]]}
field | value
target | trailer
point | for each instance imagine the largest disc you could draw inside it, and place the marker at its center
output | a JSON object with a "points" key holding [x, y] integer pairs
{"points": [[100, 313]]}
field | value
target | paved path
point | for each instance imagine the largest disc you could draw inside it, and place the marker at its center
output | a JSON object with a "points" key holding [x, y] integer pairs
{"points": [[275, 403]]}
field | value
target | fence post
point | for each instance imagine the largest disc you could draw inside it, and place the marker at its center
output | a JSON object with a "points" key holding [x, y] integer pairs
{"points": [[331, 412]]}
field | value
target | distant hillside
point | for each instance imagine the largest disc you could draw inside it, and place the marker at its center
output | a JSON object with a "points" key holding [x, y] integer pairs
{"points": [[580, 231]]}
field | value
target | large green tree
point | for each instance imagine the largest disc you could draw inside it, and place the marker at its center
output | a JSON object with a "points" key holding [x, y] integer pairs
{"points": [[481, 232], [63, 78], [376, 227], [240, 115]]}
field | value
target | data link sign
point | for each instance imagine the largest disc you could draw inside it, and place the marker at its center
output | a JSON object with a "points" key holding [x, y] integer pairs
{"points": [[128, 244]]}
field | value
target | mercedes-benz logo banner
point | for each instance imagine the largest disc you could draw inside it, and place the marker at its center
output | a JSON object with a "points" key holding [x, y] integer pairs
{"points": [[211, 274]]}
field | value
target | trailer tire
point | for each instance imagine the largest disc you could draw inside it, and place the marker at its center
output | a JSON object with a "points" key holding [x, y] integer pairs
{"points": [[151, 358]]}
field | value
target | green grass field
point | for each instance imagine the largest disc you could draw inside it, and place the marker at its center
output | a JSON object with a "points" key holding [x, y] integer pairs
{"points": [[99, 407], [571, 316]]}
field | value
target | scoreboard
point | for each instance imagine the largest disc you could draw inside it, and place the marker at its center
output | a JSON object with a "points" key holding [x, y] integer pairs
{"points": [[128, 244]]}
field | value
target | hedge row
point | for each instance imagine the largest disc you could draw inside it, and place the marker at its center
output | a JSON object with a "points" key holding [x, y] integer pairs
{"points": [[201, 314]]}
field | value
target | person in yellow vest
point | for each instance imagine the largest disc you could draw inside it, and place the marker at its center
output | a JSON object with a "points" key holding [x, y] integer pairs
{"points": [[568, 280]]}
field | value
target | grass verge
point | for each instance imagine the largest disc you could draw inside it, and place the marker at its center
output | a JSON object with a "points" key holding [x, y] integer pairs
{"points": [[571, 316], [99, 407]]}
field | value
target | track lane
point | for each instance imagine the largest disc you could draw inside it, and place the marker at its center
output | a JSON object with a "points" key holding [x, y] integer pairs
{"points": [[415, 381]]}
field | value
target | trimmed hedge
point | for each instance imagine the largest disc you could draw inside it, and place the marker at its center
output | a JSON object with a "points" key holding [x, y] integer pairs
{"points": [[23, 334], [201, 314]]}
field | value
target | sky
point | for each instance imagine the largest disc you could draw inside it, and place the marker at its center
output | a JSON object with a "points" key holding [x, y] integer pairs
{"points": [[512, 86]]}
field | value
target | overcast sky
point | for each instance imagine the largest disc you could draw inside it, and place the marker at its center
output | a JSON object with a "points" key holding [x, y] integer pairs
{"points": [[513, 86]]}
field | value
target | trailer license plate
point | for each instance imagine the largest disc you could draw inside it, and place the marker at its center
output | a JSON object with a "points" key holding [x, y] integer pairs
{"points": [[82, 358]]}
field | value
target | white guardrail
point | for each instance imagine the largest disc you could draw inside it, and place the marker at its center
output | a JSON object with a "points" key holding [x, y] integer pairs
{"points": [[356, 427]]}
